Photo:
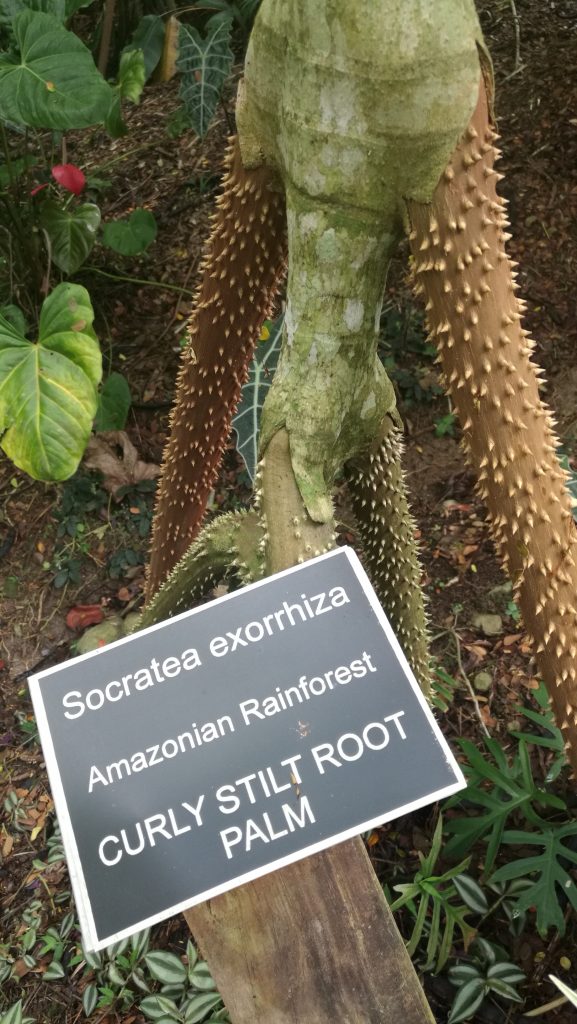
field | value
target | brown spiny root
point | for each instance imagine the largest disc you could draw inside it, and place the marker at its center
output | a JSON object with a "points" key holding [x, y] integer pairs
{"points": [[474, 316], [230, 542], [387, 532], [244, 263]]}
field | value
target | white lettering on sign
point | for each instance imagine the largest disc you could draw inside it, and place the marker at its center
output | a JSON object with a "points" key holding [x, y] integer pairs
{"points": [[263, 781], [350, 746], [281, 700], [134, 840], [116, 689], [264, 831], [190, 739], [288, 615]]}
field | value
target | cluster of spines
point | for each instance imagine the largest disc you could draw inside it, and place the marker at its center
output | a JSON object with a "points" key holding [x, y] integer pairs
{"points": [[469, 285], [387, 533], [243, 266], [207, 562]]}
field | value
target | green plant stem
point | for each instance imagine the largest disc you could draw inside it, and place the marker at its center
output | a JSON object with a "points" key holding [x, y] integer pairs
{"points": [[136, 280]]}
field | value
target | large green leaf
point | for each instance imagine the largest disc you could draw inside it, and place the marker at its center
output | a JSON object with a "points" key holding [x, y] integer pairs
{"points": [[72, 233], [133, 235], [61, 9], [148, 36], [53, 82], [261, 372], [48, 390], [552, 875], [204, 65]]}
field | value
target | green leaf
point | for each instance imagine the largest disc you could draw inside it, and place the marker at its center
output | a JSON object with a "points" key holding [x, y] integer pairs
{"points": [[199, 1006], [13, 1015], [200, 977], [89, 999], [148, 36], [569, 993], [552, 879], [53, 972], [10, 8], [131, 236], [246, 423], [113, 122], [48, 394], [471, 894], [204, 65], [511, 789], [509, 973], [139, 942], [461, 973], [501, 988], [131, 75], [114, 403], [93, 959], [157, 1007], [54, 83], [467, 1001], [14, 315], [166, 967], [72, 232]]}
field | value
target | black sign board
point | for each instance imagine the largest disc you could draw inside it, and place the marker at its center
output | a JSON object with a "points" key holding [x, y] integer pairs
{"points": [[236, 738]]}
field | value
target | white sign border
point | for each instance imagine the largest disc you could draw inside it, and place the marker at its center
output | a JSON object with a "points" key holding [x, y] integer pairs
{"points": [[79, 888]]}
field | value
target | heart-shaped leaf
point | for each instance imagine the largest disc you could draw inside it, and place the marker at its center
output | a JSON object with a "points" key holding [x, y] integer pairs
{"points": [[131, 236], [72, 233], [53, 82], [48, 390]]}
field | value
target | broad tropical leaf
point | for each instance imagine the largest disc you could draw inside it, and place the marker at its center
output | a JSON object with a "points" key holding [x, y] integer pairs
{"points": [[148, 36], [61, 9], [204, 65], [497, 788], [261, 372], [131, 236], [553, 877], [53, 82], [48, 390], [72, 233]]}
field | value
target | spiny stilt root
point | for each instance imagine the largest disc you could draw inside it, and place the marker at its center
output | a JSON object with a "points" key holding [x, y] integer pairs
{"points": [[230, 542], [243, 266], [458, 245], [387, 532]]}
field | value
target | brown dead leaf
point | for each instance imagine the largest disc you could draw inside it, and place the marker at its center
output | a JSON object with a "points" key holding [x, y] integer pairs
{"points": [[508, 641], [103, 453], [7, 846]]}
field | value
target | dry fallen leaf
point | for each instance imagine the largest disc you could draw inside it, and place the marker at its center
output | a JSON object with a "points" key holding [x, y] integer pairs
{"points": [[118, 470]]}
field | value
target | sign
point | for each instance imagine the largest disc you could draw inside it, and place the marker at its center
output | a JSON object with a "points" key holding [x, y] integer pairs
{"points": [[231, 740]]}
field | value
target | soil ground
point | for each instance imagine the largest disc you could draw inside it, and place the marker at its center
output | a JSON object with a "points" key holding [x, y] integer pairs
{"points": [[75, 535]]}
